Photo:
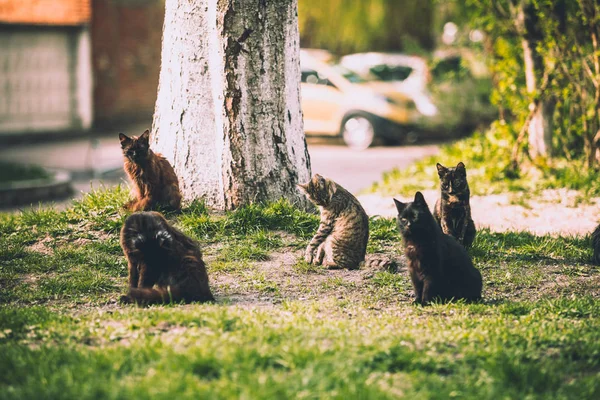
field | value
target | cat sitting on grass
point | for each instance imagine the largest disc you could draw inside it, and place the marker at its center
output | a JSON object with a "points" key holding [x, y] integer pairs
{"points": [[439, 267], [158, 254], [341, 240], [453, 210], [154, 180]]}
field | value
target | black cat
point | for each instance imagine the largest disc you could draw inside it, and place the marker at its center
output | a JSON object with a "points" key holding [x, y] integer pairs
{"points": [[439, 266]]}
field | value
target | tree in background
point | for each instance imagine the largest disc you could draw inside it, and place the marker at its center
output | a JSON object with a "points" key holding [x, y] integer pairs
{"points": [[228, 112], [344, 26], [547, 72]]}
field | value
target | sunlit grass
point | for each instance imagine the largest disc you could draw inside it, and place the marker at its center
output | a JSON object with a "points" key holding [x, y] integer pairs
{"points": [[487, 159], [287, 331]]}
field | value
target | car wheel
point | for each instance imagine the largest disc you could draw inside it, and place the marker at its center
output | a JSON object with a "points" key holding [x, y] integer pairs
{"points": [[411, 137], [358, 132]]}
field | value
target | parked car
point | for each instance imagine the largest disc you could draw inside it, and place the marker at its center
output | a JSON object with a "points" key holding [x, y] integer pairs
{"points": [[444, 89], [338, 102]]}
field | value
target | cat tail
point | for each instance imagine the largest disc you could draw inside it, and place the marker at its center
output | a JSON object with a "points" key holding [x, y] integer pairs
{"points": [[160, 295], [596, 246], [383, 263]]}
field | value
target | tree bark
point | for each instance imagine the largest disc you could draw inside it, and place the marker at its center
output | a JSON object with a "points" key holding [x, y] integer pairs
{"points": [[541, 125], [228, 113]]}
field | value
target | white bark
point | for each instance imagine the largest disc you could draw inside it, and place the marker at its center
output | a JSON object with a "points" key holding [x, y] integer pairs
{"points": [[540, 127], [540, 130], [228, 113]]}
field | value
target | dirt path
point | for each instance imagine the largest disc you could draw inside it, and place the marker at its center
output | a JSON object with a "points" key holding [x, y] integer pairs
{"points": [[555, 212]]}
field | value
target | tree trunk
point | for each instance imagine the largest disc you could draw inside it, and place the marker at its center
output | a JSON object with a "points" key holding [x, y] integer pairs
{"points": [[228, 113], [541, 125], [540, 130]]}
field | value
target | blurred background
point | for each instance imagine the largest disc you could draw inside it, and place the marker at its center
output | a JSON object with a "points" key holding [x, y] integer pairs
{"points": [[375, 74]]}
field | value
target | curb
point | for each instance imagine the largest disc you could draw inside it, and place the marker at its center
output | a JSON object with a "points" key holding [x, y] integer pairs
{"points": [[91, 173], [35, 190]]}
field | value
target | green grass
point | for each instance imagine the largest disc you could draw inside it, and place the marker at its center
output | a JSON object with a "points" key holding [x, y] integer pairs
{"points": [[11, 172], [282, 328], [487, 159]]}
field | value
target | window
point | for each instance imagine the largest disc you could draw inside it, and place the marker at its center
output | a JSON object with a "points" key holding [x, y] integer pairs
{"points": [[391, 73], [313, 77]]}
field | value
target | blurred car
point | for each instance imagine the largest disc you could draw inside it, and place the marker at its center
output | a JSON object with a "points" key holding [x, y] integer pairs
{"points": [[444, 89], [338, 102]]}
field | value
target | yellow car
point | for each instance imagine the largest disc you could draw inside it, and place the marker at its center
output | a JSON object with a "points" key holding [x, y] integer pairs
{"points": [[451, 89], [337, 102]]}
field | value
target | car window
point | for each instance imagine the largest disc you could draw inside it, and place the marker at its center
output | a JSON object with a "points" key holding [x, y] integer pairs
{"points": [[450, 68], [390, 73], [313, 77], [348, 74]]}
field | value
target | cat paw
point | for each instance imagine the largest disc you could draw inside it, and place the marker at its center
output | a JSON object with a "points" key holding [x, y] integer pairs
{"points": [[164, 238], [137, 241], [125, 299], [308, 257]]}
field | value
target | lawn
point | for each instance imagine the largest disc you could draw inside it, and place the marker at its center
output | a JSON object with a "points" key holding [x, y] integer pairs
{"points": [[281, 328], [486, 156]]}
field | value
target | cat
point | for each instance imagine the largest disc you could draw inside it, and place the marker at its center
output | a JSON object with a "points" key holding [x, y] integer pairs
{"points": [[159, 254], [439, 267], [453, 211], [596, 245], [342, 236], [154, 180]]}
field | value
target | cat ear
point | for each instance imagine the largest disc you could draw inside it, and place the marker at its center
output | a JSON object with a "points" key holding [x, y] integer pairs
{"points": [[441, 169], [400, 206], [145, 136], [331, 187], [319, 181], [419, 199], [461, 167], [124, 139]]}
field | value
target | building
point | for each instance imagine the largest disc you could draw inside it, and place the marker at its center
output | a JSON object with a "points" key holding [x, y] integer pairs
{"points": [[66, 65], [45, 66]]}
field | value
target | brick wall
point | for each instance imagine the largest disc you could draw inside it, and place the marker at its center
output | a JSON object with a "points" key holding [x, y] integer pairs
{"points": [[45, 12], [126, 45]]}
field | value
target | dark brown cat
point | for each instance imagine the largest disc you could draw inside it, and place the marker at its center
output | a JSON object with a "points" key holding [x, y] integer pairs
{"points": [[439, 266], [341, 240], [453, 211], [158, 254], [154, 180], [596, 245]]}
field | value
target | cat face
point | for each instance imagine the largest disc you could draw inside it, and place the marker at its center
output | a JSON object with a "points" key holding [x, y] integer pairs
{"points": [[412, 216], [146, 230], [453, 181], [319, 190], [135, 148]]}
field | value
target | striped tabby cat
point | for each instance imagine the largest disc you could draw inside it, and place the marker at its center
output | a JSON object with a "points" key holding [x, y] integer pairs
{"points": [[341, 240], [453, 211]]}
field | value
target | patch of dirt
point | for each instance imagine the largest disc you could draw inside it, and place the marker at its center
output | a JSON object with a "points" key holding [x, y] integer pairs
{"points": [[277, 279], [42, 246], [555, 212]]}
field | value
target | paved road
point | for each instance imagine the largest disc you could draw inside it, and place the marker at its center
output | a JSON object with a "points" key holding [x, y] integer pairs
{"points": [[357, 170]]}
